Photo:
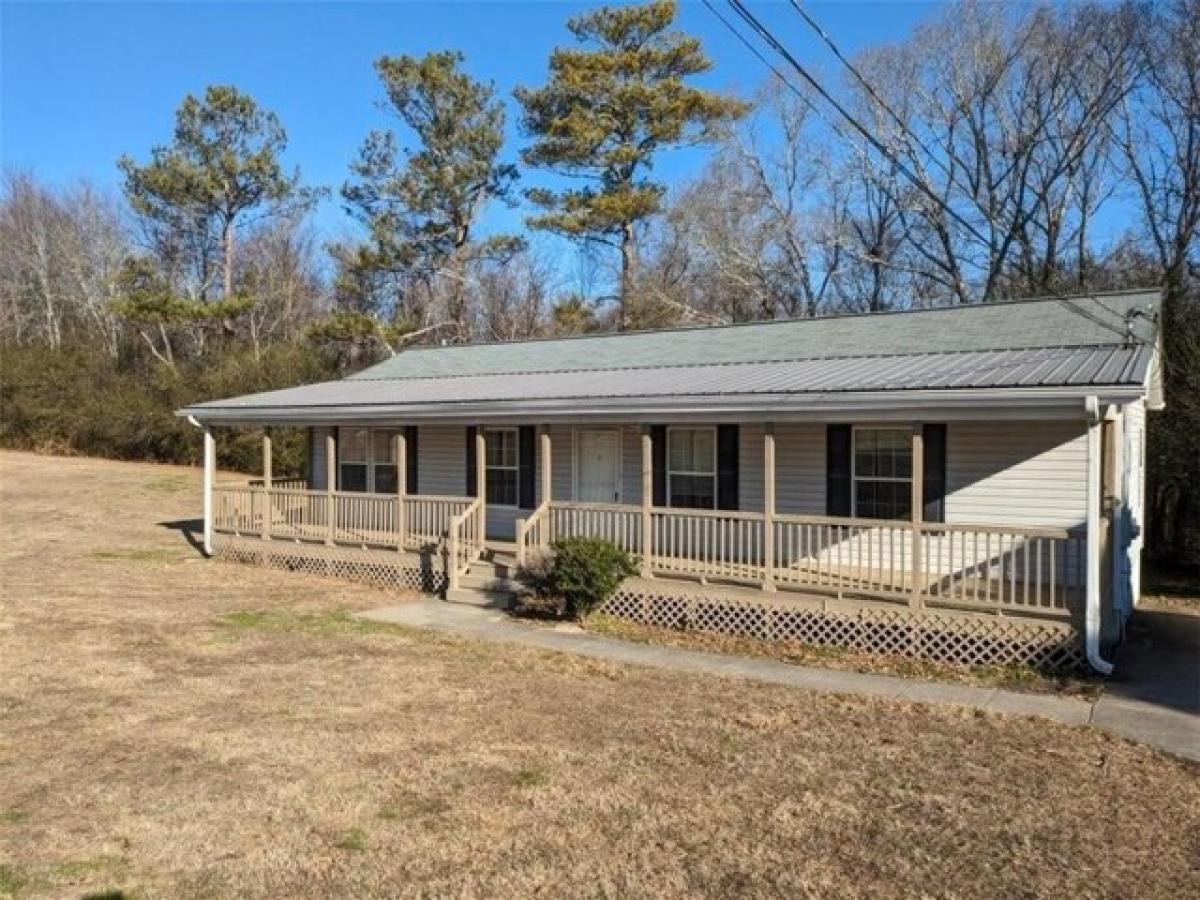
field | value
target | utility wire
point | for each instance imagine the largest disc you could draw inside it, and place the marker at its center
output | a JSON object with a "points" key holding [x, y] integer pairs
{"points": [[779, 48], [867, 86], [773, 42], [778, 75]]}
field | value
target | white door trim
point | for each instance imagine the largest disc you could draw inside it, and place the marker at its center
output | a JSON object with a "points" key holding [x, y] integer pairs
{"points": [[615, 430]]}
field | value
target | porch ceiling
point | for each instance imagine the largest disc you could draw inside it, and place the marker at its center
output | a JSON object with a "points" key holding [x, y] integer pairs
{"points": [[1010, 378]]}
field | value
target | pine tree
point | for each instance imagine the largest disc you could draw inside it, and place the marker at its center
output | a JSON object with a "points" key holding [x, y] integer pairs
{"points": [[604, 113], [222, 166], [421, 205]]}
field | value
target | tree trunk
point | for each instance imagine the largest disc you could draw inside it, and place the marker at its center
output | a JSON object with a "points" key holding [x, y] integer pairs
{"points": [[628, 274], [227, 241]]}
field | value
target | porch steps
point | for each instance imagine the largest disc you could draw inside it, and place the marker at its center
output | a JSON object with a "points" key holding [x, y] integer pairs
{"points": [[488, 582]]}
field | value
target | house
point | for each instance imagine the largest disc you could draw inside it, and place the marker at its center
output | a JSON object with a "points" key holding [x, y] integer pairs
{"points": [[960, 483]]}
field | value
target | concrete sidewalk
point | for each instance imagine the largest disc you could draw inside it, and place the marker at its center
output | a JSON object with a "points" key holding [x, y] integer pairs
{"points": [[1176, 732]]}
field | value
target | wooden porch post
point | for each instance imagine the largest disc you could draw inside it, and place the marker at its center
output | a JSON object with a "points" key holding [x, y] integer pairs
{"points": [[330, 485], [917, 599], [769, 507], [481, 476], [401, 456], [547, 480], [647, 501], [210, 467], [266, 468]]}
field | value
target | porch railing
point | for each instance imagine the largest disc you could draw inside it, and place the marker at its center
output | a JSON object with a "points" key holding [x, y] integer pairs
{"points": [[707, 544], [963, 565], [532, 532], [974, 566], [464, 541], [339, 517]]}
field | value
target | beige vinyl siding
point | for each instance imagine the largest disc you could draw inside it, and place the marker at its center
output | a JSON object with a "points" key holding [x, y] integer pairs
{"points": [[442, 459], [316, 459], [1016, 473], [562, 453], [800, 469], [631, 465], [750, 467], [1001, 473]]}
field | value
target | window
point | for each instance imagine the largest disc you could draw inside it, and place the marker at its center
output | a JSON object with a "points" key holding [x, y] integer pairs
{"points": [[383, 462], [366, 460], [882, 473], [353, 451], [692, 468], [501, 466]]}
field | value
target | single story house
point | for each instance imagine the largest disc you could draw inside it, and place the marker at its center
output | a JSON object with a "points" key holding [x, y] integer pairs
{"points": [[963, 483]]}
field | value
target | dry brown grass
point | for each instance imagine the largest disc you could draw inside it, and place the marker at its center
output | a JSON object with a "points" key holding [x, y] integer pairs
{"points": [[176, 728], [1016, 678]]}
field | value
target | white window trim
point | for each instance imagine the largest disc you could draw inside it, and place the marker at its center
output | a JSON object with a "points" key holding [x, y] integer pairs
{"points": [[368, 460], [620, 435], [670, 471], [516, 467], [854, 476]]}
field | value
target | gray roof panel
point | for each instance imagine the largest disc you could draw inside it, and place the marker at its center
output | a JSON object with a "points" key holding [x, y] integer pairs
{"points": [[1020, 325], [1040, 367]]}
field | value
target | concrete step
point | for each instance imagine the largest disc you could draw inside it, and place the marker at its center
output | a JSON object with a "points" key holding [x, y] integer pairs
{"points": [[474, 597], [487, 580], [503, 555], [493, 568]]}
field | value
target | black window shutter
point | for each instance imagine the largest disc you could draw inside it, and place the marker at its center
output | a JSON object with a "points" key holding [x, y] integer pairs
{"points": [[658, 439], [837, 470], [526, 467], [410, 459], [472, 487], [933, 497], [310, 463], [727, 467]]}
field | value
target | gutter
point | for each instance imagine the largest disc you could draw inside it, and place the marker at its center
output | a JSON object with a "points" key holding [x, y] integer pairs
{"points": [[883, 405], [1092, 614]]}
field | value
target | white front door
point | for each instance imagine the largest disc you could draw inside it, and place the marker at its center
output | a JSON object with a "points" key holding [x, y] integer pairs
{"points": [[597, 463]]}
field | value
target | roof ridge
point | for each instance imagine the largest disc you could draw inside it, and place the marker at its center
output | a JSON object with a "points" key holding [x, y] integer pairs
{"points": [[745, 362]]}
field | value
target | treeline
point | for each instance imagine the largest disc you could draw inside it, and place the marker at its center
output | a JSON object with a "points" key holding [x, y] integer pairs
{"points": [[984, 156]]}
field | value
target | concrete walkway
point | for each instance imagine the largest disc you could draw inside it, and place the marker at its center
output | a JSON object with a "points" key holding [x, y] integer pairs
{"points": [[1172, 730], [1154, 694]]}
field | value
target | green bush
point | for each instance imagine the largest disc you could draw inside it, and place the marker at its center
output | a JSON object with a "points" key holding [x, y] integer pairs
{"points": [[80, 400], [579, 574]]}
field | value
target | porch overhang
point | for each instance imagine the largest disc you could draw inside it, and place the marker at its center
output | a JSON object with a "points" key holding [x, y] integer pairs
{"points": [[1023, 383], [953, 403]]}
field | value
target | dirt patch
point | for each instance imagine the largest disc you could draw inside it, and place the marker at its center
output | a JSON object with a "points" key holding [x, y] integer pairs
{"points": [[178, 728]]}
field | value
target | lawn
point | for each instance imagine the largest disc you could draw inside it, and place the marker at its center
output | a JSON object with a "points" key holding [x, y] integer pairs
{"points": [[171, 727]]}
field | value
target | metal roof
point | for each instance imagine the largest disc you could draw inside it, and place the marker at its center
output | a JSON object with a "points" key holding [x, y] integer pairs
{"points": [[1024, 349], [1061, 321], [1080, 366]]}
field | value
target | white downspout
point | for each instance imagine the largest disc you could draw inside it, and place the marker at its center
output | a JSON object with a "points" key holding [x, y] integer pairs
{"points": [[210, 467], [1092, 617]]}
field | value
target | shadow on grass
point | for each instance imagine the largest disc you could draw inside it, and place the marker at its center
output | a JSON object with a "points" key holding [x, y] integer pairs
{"points": [[192, 531]]}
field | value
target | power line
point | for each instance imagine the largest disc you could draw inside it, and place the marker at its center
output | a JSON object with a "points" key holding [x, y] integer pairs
{"points": [[1126, 335], [779, 48], [861, 79], [887, 152], [778, 75]]}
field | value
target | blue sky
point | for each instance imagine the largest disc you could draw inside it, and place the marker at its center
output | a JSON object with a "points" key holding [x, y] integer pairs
{"points": [[82, 83]]}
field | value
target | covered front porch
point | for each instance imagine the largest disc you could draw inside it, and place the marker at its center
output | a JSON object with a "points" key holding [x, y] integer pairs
{"points": [[881, 559]]}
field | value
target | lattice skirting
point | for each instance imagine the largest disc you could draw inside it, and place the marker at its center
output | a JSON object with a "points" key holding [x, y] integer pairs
{"points": [[405, 571], [956, 639]]}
